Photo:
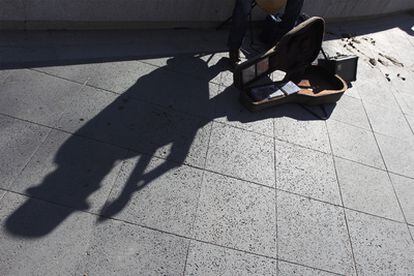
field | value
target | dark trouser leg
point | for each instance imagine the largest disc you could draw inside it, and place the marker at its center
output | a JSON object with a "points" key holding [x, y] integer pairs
{"points": [[239, 24], [291, 14], [289, 18]]}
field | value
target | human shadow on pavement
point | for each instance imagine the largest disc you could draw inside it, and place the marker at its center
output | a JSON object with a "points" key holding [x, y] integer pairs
{"points": [[163, 114]]}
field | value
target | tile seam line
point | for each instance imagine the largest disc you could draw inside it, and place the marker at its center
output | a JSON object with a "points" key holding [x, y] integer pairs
{"points": [[123, 163], [3, 194], [342, 201], [54, 76], [398, 104], [276, 194], [136, 151], [386, 167], [401, 207], [191, 114], [198, 200], [171, 233]]}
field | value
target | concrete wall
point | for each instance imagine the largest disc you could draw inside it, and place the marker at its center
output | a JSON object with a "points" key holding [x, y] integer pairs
{"points": [[56, 14]]}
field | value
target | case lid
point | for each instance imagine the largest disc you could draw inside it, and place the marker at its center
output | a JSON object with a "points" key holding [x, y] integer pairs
{"points": [[295, 51]]}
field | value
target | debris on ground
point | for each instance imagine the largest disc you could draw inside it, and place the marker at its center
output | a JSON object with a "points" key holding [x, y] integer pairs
{"points": [[401, 77], [383, 62], [370, 40], [373, 61], [351, 45], [338, 54], [387, 76], [393, 60], [355, 40]]}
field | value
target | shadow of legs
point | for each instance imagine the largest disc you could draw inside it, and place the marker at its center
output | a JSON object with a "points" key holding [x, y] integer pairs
{"points": [[134, 183]]}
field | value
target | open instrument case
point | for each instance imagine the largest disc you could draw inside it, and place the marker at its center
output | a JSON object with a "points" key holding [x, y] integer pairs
{"points": [[293, 55]]}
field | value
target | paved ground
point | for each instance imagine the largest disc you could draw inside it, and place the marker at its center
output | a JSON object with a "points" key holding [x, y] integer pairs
{"points": [[123, 154]]}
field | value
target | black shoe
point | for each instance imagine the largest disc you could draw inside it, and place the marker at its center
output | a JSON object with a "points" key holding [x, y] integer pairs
{"points": [[234, 56]]}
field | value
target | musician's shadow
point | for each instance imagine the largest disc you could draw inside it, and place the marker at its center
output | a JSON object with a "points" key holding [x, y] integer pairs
{"points": [[166, 129]]}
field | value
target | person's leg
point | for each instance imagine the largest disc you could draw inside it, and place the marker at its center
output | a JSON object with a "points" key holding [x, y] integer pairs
{"points": [[239, 27], [288, 20], [291, 15]]}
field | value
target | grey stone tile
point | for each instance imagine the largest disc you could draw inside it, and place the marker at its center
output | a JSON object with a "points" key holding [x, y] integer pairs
{"points": [[381, 247], [353, 92], [411, 228], [18, 141], [36, 97], [406, 102], [206, 259], [410, 120], [34, 232], [227, 78], [367, 189], [139, 126], [3, 75], [230, 111], [306, 172], [379, 93], [402, 79], [388, 121], [2, 194], [72, 171], [156, 193], [354, 143], [298, 126], [398, 154], [85, 108], [350, 110], [393, 43], [123, 249], [241, 154], [366, 74], [287, 269], [405, 192], [237, 214], [313, 233]]}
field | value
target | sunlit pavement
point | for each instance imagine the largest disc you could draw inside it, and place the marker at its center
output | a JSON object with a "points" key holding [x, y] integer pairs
{"points": [[128, 153]]}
